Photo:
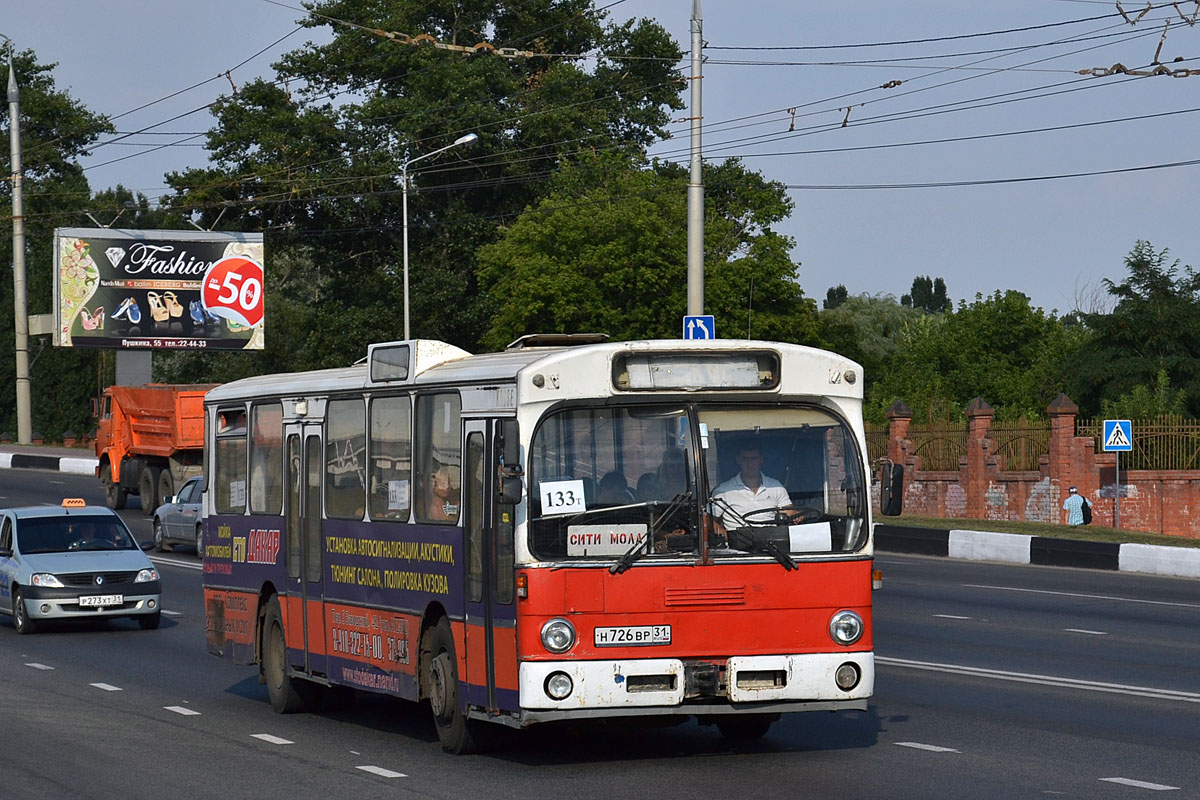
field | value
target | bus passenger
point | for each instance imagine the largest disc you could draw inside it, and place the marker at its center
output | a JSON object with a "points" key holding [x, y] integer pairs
{"points": [[443, 505], [614, 490]]}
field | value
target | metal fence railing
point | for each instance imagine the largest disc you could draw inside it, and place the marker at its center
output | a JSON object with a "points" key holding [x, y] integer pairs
{"points": [[1166, 442], [1020, 444]]}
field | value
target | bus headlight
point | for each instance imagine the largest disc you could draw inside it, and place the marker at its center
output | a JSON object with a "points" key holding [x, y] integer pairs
{"points": [[846, 627], [558, 635], [559, 686], [847, 676]]}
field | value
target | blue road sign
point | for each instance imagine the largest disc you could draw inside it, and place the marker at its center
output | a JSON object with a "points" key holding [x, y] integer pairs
{"points": [[699, 326], [1118, 435]]}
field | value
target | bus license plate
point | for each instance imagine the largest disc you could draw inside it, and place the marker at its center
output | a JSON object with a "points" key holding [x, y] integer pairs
{"points": [[632, 635], [101, 600]]}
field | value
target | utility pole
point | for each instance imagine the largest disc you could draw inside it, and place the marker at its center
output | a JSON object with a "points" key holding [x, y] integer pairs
{"points": [[20, 311], [695, 233]]}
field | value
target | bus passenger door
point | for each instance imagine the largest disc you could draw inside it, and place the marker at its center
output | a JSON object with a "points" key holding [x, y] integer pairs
{"points": [[491, 651], [305, 567]]}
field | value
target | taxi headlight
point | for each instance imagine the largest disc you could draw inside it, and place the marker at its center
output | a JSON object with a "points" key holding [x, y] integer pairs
{"points": [[558, 635], [46, 579], [144, 575], [846, 627]]}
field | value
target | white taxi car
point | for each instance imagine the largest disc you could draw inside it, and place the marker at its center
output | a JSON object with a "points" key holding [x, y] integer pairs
{"points": [[72, 563]]}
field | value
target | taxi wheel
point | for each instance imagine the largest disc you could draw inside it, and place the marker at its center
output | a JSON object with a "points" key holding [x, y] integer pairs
{"points": [[160, 538], [200, 541], [287, 695], [454, 730], [150, 621], [746, 727], [21, 620]]}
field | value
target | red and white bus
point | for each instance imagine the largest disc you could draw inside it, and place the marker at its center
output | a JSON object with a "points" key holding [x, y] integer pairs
{"points": [[545, 534]]}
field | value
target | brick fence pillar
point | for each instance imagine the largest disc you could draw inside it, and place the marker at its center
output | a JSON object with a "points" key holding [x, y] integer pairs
{"points": [[1065, 468], [899, 418], [979, 422]]}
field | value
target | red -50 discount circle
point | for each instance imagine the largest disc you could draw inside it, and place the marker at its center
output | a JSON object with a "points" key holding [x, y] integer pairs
{"points": [[233, 288]]}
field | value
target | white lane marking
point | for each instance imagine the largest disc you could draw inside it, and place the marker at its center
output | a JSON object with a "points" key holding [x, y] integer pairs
{"points": [[1085, 630], [1157, 787], [381, 772], [949, 616], [187, 712], [108, 687], [1084, 596], [171, 613], [933, 748], [36, 665], [1045, 680], [172, 562], [266, 737]]}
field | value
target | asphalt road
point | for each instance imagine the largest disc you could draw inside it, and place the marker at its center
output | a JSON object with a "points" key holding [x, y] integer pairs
{"points": [[993, 681]]}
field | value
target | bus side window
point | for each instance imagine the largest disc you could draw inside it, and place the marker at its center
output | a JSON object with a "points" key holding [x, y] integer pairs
{"points": [[391, 458], [345, 462], [229, 461], [266, 459], [438, 442]]}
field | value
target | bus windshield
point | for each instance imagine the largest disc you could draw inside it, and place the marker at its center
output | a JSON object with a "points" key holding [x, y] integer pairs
{"points": [[615, 481]]}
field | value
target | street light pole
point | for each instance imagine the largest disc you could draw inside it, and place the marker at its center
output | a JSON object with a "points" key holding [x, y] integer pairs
{"points": [[20, 310], [467, 139]]}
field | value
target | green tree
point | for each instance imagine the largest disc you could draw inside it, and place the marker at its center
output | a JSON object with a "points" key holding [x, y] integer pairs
{"points": [[928, 294], [867, 328], [55, 130], [1145, 402], [606, 251], [999, 348], [315, 161], [835, 296], [1154, 327]]}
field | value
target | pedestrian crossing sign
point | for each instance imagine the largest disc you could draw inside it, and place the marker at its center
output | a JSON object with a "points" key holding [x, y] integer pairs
{"points": [[1118, 435]]}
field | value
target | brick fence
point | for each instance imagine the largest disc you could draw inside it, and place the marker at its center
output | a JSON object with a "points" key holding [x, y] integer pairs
{"points": [[1156, 501]]}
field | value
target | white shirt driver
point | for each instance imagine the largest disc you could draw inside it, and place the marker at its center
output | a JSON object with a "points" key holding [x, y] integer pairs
{"points": [[743, 500]]}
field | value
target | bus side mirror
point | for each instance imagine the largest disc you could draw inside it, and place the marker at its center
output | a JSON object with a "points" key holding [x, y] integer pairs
{"points": [[510, 461], [891, 489]]}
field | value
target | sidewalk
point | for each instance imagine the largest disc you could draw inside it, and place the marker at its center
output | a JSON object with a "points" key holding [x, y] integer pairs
{"points": [[74, 460], [1017, 548]]}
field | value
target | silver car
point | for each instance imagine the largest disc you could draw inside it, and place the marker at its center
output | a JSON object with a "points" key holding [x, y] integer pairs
{"points": [[72, 563], [177, 520]]}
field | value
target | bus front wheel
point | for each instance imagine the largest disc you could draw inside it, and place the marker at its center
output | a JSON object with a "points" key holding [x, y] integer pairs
{"points": [[454, 730]]}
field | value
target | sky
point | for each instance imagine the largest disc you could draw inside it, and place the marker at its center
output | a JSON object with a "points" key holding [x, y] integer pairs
{"points": [[930, 137]]}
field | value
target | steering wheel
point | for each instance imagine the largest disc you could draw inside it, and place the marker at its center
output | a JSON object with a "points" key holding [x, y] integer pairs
{"points": [[781, 516]]}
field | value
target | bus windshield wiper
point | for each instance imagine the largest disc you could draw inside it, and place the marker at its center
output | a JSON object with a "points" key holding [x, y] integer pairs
{"points": [[638, 550], [746, 538]]}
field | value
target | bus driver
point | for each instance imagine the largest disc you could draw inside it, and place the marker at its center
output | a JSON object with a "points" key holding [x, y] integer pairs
{"points": [[750, 491]]}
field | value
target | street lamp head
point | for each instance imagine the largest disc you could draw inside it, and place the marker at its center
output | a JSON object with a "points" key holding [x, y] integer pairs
{"points": [[467, 139]]}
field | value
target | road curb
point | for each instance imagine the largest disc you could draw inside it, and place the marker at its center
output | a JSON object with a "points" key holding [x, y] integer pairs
{"points": [[72, 464], [1182, 562]]}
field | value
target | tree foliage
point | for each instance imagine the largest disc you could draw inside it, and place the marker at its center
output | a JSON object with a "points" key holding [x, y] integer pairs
{"points": [[315, 161], [55, 130], [606, 251], [927, 294], [835, 296], [1154, 327]]}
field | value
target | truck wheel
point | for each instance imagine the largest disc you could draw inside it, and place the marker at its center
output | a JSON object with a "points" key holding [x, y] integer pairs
{"points": [[166, 485], [114, 495], [147, 486]]}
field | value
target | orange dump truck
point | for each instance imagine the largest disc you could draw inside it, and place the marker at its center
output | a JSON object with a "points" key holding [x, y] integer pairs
{"points": [[149, 440]]}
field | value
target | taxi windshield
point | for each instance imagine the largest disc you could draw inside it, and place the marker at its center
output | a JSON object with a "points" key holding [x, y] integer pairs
{"points": [[644, 480], [71, 533]]}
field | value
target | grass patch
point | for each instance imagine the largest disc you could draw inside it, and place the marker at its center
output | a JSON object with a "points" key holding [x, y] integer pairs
{"points": [[1089, 533]]}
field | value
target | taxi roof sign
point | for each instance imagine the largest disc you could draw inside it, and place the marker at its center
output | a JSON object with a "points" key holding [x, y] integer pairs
{"points": [[73, 502]]}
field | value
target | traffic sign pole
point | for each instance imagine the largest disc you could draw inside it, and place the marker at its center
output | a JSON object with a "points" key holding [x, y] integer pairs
{"points": [[1117, 501]]}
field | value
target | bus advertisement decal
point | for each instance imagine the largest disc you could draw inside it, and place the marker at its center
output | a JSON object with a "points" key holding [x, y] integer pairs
{"points": [[373, 636]]}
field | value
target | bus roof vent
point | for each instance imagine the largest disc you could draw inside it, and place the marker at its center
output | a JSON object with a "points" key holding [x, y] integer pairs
{"points": [[557, 340], [401, 362]]}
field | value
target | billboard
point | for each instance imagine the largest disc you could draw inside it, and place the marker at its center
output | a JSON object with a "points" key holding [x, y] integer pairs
{"points": [[127, 289]]}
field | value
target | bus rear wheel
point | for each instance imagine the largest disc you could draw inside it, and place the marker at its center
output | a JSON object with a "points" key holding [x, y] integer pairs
{"points": [[288, 695], [454, 730]]}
